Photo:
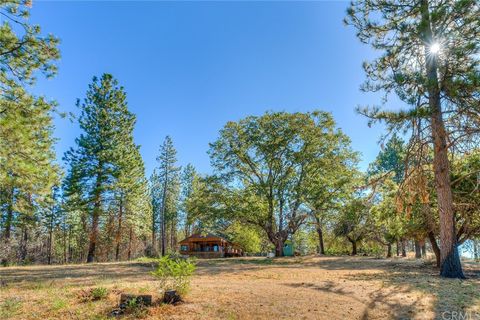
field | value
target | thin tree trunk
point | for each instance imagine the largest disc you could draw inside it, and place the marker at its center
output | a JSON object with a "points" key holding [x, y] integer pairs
{"points": [[404, 249], [164, 207], [449, 258], [279, 248], [435, 248], [119, 230], [95, 220], [389, 250], [418, 250], [64, 244], [50, 242], [398, 248], [321, 247], [9, 218], [129, 252], [354, 248], [475, 250], [23, 247]]}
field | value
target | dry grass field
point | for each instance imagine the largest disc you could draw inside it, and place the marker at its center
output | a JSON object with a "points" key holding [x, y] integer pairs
{"points": [[248, 288]]}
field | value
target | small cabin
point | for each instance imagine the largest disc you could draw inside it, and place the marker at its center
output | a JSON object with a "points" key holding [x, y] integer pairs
{"points": [[209, 246]]}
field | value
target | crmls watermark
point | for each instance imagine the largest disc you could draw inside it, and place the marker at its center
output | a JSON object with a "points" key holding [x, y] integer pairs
{"points": [[460, 315]]}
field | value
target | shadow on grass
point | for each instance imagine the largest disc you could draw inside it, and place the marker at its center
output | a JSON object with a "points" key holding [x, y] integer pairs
{"points": [[81, 274]]}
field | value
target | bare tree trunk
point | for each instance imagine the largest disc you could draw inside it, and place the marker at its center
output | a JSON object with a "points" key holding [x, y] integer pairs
{"points": [[404, 249], [398, 248], [449, 258]]}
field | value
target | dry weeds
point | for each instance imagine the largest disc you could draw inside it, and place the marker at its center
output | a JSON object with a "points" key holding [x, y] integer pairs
{"points": [[248, 288]]}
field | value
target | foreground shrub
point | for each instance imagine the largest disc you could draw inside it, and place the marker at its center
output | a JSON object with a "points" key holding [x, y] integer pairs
{"points": [[174, 273]]}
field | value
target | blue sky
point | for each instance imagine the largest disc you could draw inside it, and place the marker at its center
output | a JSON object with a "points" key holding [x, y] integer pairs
{"points": [[189, 67]]}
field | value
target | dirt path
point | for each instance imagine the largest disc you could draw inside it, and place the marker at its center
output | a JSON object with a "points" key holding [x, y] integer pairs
{"points": [[250, 288]]}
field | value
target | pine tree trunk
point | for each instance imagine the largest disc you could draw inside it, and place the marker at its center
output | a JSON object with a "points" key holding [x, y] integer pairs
{"points": [[164, 208], [64, 244], [398, 248], [321, 247], [95, 216], [9, 217], [130, 236], [50, 243], [449, 258], [119, 230], [154, 230], [404, 249], [23, 247]]}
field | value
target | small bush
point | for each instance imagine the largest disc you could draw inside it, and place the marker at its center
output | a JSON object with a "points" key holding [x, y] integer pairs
{"points": [[174, 274], [10, 307], [98, 293]]}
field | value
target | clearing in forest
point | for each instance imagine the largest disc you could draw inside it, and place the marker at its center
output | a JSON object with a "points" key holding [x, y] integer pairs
{"points": [[249, 288]]}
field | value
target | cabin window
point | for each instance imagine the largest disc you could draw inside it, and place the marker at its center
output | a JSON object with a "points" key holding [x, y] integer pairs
{"points": [[215, 248], [184, 248]]}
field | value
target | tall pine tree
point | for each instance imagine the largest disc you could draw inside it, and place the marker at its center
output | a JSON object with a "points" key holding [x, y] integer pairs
{"points": [[430, 59], [105, 165]]}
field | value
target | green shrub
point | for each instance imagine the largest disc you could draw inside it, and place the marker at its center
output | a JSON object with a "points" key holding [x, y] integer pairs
{"points": [[174, 274], [99, 293], [10, 307]]}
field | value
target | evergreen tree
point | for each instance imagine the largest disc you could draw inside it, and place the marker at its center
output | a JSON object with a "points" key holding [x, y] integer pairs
{"points": [[104, 157], [430, 59], [27, 168], [167, 194], [189, 174]]}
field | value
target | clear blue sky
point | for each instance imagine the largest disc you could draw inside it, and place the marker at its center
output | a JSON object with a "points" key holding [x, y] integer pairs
{"points": [[189, 67]]}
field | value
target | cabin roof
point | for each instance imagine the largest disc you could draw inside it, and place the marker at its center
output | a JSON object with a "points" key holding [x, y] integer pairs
{"points": [[203, 237]]}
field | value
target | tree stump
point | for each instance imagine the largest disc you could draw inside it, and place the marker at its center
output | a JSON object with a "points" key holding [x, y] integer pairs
{"points": [[144, 300], [171, 297]]}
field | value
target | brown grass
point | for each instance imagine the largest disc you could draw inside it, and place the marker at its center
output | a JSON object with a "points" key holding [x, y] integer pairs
{"points": [[248, 288]]}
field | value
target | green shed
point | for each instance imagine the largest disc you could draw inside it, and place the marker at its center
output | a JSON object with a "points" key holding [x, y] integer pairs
{"points": [[288, 248]]}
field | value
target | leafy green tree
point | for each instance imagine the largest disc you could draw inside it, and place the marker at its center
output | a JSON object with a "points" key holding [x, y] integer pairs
{"points": [[329, 183], [354, 222], [429, 58], [101, 153], [263, 163]]}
